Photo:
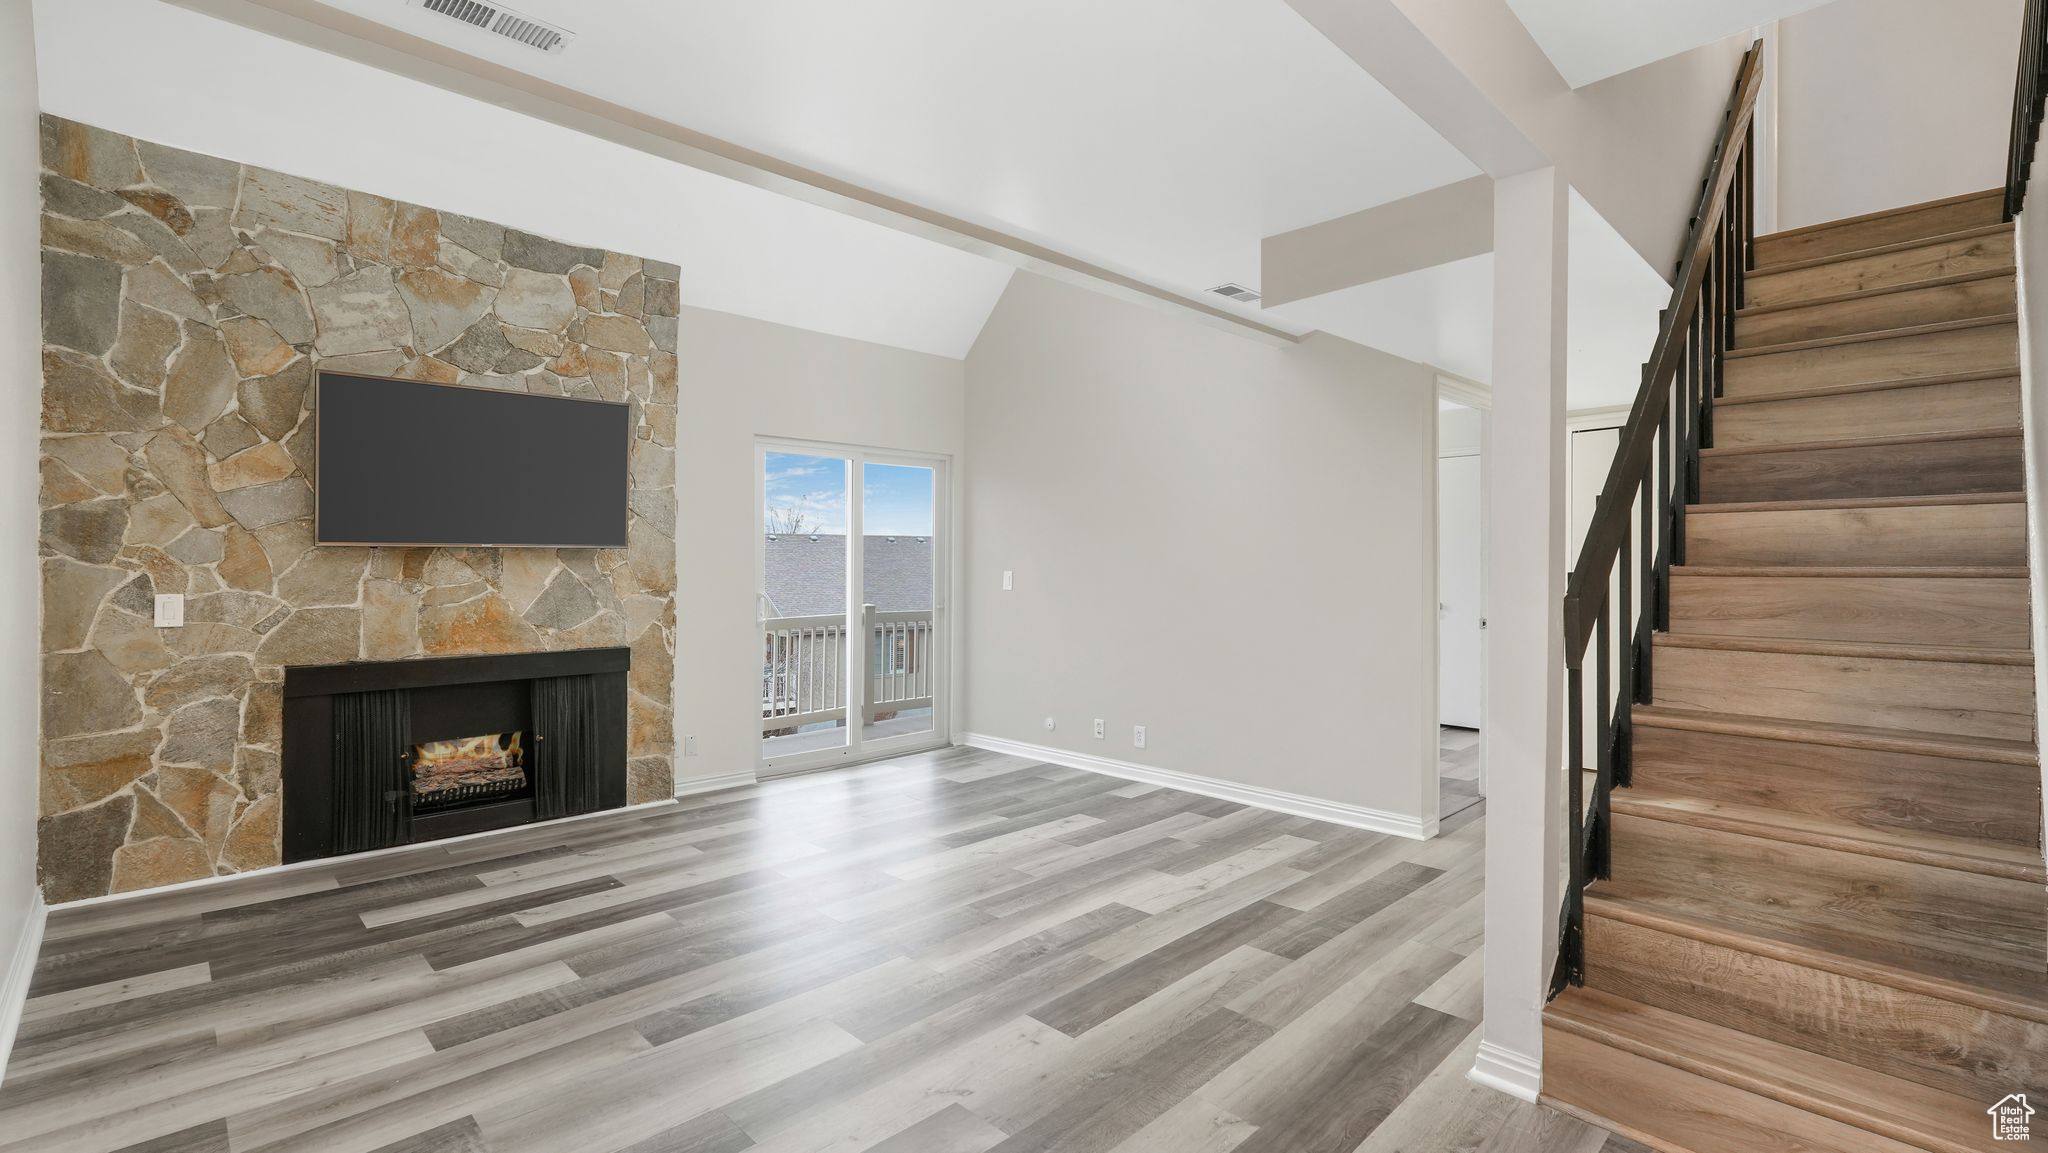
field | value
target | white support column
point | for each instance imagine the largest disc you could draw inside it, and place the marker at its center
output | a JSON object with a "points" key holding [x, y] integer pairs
{"points": [[1525, 537]]}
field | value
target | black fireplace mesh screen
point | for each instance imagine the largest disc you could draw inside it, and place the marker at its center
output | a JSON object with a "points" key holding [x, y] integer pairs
{"points": [[372, 732], [565, 756]]}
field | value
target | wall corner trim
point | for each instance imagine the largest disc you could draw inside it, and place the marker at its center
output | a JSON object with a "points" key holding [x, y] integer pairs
{"points": [[695, 785], [1516, 1074], [20, 969], [1294, 804]]}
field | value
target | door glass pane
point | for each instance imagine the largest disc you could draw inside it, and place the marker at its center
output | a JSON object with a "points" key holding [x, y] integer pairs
{"points": [[897, 574], [805, 639]]}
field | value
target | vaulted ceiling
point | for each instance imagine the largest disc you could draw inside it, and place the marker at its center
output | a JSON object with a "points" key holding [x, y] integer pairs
{"points": [[1158, 140], [1589, 40]]}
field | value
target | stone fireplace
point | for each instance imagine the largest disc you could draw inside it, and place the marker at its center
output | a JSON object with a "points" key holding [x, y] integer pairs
{"points": [[384, 753], [193, 301]]}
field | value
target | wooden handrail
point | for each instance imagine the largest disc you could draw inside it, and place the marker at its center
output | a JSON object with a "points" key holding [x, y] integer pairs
{"points": [[1602, 543]]}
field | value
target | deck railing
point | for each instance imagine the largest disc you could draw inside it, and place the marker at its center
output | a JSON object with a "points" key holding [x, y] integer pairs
{"points": [[803, 678], [1618, 592]]}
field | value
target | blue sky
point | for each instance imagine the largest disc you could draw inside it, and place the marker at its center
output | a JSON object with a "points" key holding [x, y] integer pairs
{"points": [[898, 499]]}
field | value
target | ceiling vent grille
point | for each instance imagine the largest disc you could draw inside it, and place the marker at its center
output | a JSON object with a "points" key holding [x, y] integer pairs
{"points": [[502, 21], [1237, 292]]}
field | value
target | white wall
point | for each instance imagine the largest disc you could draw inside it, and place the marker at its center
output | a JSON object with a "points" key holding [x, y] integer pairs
{"points": [[1228, 542], [21, 375], [742, 379], [2032, 250], [1883, 103]]}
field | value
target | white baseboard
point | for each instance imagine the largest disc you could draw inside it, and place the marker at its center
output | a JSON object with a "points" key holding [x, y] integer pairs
{"points": [[20, 969], [1294, 804], [719, 783], [1516, 1074], [297, 866]]}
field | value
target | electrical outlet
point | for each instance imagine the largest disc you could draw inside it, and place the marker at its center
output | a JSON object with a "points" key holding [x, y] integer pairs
{"points": [[1098, 728], [1138, 736], [690, 746], [1051, 724], [170, 610]]}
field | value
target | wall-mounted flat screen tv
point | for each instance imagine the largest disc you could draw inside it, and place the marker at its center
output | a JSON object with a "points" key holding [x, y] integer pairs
{"points": [[402, 462]]}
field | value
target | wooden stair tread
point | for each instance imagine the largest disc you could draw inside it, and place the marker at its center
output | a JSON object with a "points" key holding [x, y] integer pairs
{"points": [[2002, 432], [1867, 293], [1852, 502], [2003, 318], [2017, 862], [1889, 226], [1863, 387], [1861, 650], [1880, 214], [1955, 979], [1973, 572], [1878, 1102], [1881, 249], [1954, 747]]}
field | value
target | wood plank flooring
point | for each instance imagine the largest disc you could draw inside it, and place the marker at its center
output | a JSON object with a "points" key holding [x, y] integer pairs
{"points": [[950, 953]]}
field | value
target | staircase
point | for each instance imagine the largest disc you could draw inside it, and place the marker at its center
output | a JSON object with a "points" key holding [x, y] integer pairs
{"points": [[1824, 925]]}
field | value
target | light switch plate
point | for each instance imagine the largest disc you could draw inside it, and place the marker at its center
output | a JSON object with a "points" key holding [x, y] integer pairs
{"points": [[1009, 581], [170, 610]]}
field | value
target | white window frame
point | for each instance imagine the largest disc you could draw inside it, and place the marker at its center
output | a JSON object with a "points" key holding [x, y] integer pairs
{"points": [[858, 654]]}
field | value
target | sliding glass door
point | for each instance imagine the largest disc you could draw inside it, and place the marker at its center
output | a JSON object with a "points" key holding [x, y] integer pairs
{"points": [[851, 604]]}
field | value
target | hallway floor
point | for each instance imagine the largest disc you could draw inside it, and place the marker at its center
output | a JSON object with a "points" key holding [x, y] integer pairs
{"points": [[1457, 779]]}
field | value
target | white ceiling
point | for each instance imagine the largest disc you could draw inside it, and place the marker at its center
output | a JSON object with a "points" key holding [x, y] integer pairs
{"points": [[198, 83], [1444, 315], [1166, 139], [1590, 40], [1158, 138]]}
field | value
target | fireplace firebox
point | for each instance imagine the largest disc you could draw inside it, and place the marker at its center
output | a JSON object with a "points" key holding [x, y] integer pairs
{"points": [[383, 753]]}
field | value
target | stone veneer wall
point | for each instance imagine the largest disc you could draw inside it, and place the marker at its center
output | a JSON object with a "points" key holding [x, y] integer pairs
{"points": [[187, 302]]}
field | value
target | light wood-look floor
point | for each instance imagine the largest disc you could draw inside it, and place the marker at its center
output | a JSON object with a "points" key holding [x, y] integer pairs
{"points": [[949, 953]]}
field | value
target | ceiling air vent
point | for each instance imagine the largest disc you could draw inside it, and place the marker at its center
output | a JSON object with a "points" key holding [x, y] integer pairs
{"points": [[502, 21], [1237, 292]]}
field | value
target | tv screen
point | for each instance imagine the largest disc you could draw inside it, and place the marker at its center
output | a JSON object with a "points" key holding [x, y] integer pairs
{"points": [[407, 463]]}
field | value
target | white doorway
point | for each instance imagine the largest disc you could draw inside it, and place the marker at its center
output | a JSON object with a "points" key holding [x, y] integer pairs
{"points": [[1461, 609], [852, 568]]}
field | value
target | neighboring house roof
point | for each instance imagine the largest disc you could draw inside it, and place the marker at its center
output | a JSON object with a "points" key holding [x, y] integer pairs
{"points": [[806, 575]]}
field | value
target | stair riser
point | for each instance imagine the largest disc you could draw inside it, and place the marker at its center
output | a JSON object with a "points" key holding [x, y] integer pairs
{"points": [[1674, 1109], [1891, 228], [1988, 612], [1955, 1048], [1992, 253], [1874, 789], [1956, 352], [1976, 534], [1960, 406], [1919, 468], [1953, 697], [1886, 907], [1964, 301]]}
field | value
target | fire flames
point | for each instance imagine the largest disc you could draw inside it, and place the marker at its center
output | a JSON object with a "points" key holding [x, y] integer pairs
{"points": [[492, 759]]}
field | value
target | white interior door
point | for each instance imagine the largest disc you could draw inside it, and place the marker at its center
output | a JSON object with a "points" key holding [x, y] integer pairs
{"points": [[1459, 582]]}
